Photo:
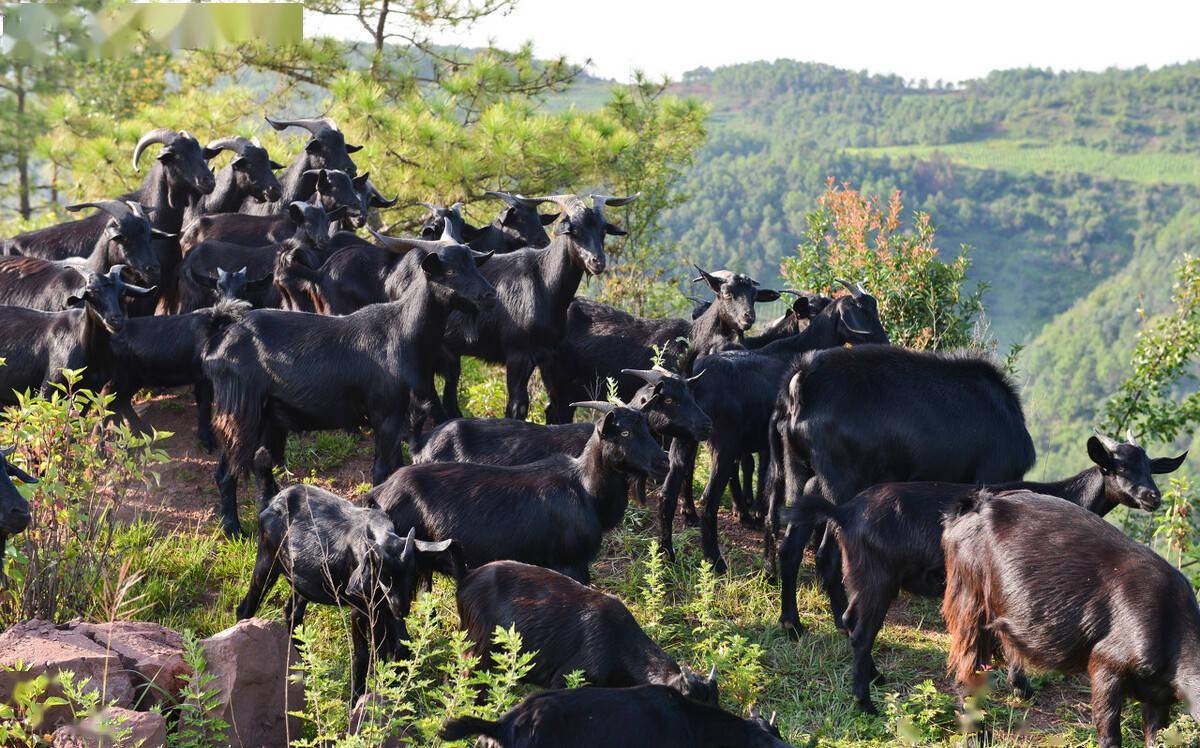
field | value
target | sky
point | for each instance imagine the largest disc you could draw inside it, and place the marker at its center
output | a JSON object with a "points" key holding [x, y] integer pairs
{"points": [[931, 39]]}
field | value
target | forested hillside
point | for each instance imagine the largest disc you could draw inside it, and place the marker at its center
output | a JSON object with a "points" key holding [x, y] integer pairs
{"points": [[1068, 187]]}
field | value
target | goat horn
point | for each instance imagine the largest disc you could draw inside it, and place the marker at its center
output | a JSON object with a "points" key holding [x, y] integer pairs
{"points": [[403, 244], [854, 289], [235, 143], [712, 674], [6, 451], [450, 231], [646, 375], [164, 135], [771, 721], [316, 125], [692, 380], [512, 199], [599, 405], [379, 200], [1109, 443], [115, 208], [599, 201], [1130, 438]]}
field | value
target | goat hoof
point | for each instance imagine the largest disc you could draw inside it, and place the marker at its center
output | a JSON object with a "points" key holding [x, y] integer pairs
{"points": [[750, 520], [718, 565], [691, 519], [868, 707], [877, 679], [208, 444], [793, 629]]}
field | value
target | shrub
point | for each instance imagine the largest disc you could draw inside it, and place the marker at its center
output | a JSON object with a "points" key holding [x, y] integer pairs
{"points": [[86, 467]]}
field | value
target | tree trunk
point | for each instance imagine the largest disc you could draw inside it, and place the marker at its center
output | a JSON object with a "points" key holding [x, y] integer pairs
{"points": [[22, 160]]}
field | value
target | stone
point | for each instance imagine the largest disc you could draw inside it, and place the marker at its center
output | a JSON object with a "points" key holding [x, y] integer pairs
{"points": [[250, 664], [114, 728], [43, 648], [153, 652]]}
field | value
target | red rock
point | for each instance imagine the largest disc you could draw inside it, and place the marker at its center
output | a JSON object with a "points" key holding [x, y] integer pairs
{"points": [[153, 652], [114, 728], [250, 664]]}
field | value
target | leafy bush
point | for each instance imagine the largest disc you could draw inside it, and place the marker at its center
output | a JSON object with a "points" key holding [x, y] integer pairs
{"points": [[86, 466], [21, 720], [922, 300]]}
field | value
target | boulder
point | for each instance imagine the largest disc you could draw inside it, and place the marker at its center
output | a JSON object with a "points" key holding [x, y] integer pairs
{"points": [[43, 648], [153, 652], [114, 728], [250, 664]]}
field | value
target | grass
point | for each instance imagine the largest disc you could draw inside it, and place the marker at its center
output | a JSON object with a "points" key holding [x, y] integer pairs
{"points": [[1039, 157]]}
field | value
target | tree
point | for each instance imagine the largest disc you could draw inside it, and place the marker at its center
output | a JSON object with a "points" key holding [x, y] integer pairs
{"points": [[922, 300]]}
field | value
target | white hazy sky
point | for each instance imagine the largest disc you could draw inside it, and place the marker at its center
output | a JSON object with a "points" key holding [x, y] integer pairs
{"points": [[951, 40]]}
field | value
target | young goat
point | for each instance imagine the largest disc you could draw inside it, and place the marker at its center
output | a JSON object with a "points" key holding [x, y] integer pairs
{"points": [[889, 539], [638, 717], [551, 513], [37, 345], [571, 627], [333, 553], [14, 509], [277, 371], [1052, 586]]}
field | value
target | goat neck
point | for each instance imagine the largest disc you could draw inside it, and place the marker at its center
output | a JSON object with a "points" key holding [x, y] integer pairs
{"points": [[559, 271], [607, 486]]}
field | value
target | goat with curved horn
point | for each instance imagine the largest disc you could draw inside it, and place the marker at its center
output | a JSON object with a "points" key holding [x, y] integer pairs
{"points": [[163, 135], [235, 143], [314, 125], [597, 405], [512, 199], [855, 290]]}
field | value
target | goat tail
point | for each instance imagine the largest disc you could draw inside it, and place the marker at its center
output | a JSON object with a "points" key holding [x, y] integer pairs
{"points": [[968, 616], [813, 506], [238, 399], [461, 728]]}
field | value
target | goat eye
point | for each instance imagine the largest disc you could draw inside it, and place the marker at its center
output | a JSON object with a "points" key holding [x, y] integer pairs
{"points": [[625, 434], [669, 401]]}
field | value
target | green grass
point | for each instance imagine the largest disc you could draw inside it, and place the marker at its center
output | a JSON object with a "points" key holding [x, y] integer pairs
{"points": [[1039, 157]]}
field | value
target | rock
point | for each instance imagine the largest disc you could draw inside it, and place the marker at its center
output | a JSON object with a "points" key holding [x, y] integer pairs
{"points": [[371, 711], [114, 728], [153, 652], [250, 663], [43, 648]]}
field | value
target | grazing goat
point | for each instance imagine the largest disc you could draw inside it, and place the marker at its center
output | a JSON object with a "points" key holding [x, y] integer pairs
{"points": [[600, 340], [852, 418], [570, 627], [550, 513], [334, 553], [738, 390], [14, 509], [889, 538], [37, 346], [535, 287], [310, 234], [37, 283], [639, 717], [278, 371], [1052, 586]]}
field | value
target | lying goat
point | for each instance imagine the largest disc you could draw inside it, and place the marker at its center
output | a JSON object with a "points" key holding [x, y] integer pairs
{"points": [[570, 627], [638, 717], [335, 553]]}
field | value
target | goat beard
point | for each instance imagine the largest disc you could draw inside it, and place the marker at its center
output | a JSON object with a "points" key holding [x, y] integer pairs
{"points": [[470, 328]]}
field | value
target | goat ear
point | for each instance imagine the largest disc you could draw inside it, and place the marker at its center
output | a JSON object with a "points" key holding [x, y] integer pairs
{"points": [[801, 308], [312, 146], [614, 230], [432, 264], [338, 213], [202, 280], [239, 162], [548, 218], [1160, 465], [1098, 453], [444, 556], [765, 294], [362, 581], [259, 283], [275, 165], [608, 425], [296, 212], [353, 148], [76, 299], [16, 472]]}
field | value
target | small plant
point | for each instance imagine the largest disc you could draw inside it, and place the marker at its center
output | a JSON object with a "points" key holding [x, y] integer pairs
{"points": [[22, 718], [199, 724], [923, 717], [319, 452]]}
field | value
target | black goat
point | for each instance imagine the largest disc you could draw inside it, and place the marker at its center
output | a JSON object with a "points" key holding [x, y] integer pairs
{"points": [[535, 287], [664, 398], [570, 627], [180, 175], [551, 513], [332, 190], [168, 350], [37, 283], [639, 717], [853, 418], [310, 226], [889, 538], [14, 509], [601, 340], [247, 180], [334, 553], [738, 390], [37, 346], [518, 226], [1051, 585], [277, 371], [325, 149]]}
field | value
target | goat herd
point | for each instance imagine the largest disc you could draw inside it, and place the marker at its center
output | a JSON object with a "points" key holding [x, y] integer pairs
{"points": [[257, 292]]}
